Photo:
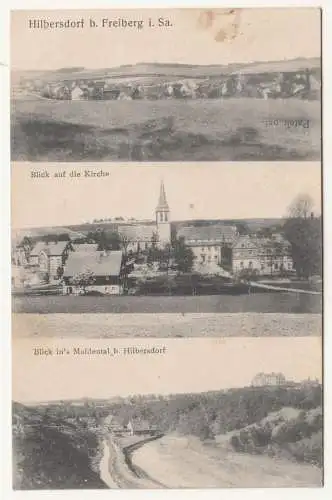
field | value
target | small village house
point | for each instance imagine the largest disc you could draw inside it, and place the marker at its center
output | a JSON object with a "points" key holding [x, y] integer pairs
{"points": [[208, 242], [107, 269], [49, 257], [264, 256]]}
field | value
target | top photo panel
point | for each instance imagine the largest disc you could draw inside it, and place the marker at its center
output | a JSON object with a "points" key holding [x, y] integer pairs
{"points": [[166, 85]]}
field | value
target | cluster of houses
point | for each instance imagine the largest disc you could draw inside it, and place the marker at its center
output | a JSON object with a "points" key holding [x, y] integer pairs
{"points": [[126, 426], [303, 83], [218, 249]]}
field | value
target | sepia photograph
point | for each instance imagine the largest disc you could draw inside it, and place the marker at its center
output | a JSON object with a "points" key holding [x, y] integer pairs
{"points": [[215, 245], [252, 418], [166, 85]]}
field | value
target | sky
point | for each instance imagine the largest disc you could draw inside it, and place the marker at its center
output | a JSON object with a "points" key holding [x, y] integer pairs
{"points": [[189, 365], [194, 37], [194, 191]]}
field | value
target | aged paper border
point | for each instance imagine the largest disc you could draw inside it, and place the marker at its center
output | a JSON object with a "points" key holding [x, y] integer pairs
{"points": [[6, 6]]}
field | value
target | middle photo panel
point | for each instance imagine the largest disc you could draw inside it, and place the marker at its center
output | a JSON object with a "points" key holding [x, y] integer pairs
{"points": [[181, 250]]}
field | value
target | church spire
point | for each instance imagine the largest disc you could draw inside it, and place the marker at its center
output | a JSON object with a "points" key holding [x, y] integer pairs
{"points": [[162, 202]]}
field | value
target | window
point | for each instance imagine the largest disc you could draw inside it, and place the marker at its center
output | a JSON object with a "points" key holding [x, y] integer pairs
{"points": [[209, 258], [209, 249], [161, 216], [241, 264], [290, 265], [276, 266], [203, 249], [166, 217], [250, 264]]}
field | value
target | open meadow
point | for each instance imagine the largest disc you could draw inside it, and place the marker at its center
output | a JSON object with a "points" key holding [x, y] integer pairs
{"points": [[233, 129], [103, 326]]}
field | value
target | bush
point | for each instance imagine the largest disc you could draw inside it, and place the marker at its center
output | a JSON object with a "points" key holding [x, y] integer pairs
{"points": [[309, 449]]}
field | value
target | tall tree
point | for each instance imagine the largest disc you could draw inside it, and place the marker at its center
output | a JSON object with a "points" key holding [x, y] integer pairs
{"points": [[304, 232], [183, 256]]}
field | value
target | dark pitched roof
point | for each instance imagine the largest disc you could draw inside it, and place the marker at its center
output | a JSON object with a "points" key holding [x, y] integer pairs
{"points": [[162, 202], [138, 232], [52, 249], [100, 263], [58, 248], [208, 234], [37, 249]]}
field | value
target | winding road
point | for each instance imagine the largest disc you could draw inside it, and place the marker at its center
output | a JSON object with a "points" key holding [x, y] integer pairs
{"points": [[117, 469]]}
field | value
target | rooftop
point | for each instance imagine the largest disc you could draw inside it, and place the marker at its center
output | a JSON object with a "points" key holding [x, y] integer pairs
{"points": [[99, 263], [209, 233]]}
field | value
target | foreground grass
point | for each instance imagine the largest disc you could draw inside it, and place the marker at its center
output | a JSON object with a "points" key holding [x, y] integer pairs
{"points": [[260, 303], [169, 130], [151, 325]]}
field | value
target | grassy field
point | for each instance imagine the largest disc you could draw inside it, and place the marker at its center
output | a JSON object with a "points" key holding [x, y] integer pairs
{"points": [[165, 130], [258, 302], [51, 454], [165, 325]]}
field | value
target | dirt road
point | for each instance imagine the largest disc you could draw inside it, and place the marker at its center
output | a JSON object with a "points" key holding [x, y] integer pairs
{"points": [[116, 470], [181, 462]]}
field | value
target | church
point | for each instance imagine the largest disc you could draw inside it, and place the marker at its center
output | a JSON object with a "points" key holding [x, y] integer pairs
{"points": [[142, 235]]}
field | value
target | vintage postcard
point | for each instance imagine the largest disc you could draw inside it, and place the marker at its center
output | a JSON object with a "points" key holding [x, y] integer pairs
{"points": [[181, 250], [250, 416], [166, 248], [166, 85]]}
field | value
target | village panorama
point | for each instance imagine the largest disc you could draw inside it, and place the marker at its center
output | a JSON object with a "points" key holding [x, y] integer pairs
{"points": [[161, 257]]}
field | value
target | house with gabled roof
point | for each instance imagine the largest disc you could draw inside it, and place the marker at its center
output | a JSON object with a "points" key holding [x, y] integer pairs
{"points": [[47, 258], [106, 269], [265, 256], [208, 242]]}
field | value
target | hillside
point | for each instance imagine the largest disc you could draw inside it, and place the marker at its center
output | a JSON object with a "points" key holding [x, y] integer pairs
{"points": [[51, 454], [58, 444], [80, 230], [170, 70]]}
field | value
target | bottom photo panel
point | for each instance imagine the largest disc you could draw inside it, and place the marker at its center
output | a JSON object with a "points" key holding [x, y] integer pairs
{"points": [[180, 413]]}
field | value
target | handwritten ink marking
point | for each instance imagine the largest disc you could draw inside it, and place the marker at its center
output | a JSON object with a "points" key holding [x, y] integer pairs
{"points": [[287, 123]]}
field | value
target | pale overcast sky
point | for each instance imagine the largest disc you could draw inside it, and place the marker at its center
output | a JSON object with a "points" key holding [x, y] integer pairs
{"points": [[194, 191], [263, 35], [188, 366]]}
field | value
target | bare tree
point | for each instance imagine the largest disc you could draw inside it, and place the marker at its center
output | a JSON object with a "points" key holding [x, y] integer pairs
{"points": [[301, 207]]}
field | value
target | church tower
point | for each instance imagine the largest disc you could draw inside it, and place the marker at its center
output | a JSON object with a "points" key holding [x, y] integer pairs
{"points": [[163, 218]]}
